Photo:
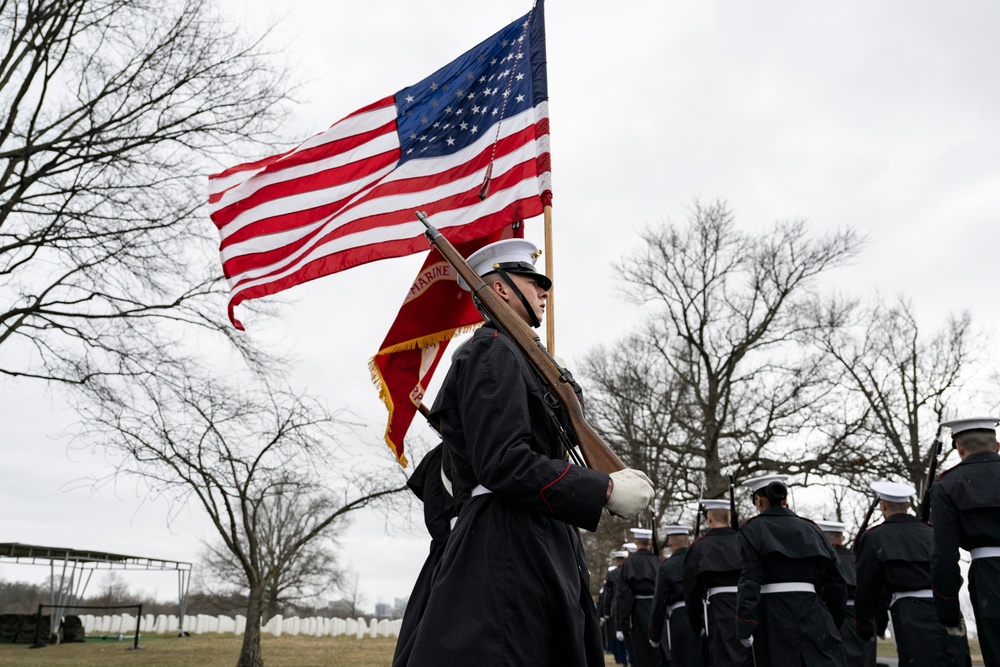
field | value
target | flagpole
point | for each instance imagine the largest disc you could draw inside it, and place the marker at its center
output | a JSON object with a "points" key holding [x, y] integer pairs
{"points": [[550, 308]]}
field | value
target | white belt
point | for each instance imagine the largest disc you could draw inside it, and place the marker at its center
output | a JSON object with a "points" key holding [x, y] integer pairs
{"points": [[788, 587], [923, 593], [850, 603], [676, 605], [985, 552], [643, 597], [480, 490], [720, 589]]}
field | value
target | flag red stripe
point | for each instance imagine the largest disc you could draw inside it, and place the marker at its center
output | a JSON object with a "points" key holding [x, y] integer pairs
{"points": [[221, 177], [318, 180], [355, 256], [249, 262], [306, 216], [266, 244]]}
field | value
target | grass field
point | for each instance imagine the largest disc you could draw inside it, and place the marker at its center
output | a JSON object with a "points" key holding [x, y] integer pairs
{"points": [[205, 651], [222, 650]]}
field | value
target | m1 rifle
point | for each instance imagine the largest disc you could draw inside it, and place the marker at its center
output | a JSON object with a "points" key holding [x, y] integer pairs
{"points": [[697, 521], [932, 466], [596, 452], [734, 519]]}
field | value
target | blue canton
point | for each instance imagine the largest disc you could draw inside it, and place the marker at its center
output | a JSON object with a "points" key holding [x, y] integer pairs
{"points": [[461, 102]]}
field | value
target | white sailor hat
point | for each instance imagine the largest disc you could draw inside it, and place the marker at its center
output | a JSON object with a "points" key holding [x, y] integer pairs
{"points": [[512, 255], [973, 424], [619, 554], [630, 547], [758, 483], [641, 533], [831, 526], [893, 492], [677, 530], [714, 504]]}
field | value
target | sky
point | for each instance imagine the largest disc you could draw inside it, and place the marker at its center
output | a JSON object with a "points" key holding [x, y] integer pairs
{"points": [[881, 117]]}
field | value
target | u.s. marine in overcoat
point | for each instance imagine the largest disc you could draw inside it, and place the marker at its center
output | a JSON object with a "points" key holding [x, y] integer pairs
{"points": [[513, 584]]}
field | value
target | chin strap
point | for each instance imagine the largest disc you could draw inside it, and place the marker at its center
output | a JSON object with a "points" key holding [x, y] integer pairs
{"points": [[510, 283]]}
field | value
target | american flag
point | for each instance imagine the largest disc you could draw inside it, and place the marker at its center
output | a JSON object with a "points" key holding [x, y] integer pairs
{"points": [[347, 196]]}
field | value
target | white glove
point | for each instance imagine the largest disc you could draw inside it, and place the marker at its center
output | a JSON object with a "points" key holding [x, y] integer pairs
{"points": [[620, 636], [631, 493], [748, 642], [957, 631], [654, 644]]}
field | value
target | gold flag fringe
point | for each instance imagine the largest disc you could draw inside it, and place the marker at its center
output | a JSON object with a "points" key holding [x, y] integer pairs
{"points": [[383, 389]]}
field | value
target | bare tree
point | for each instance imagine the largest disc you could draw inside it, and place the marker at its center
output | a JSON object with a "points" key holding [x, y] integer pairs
{"points": [[637, 407], [110, 113], [307, 573], [727, 377], [897, 383], [248, 455], [352, 598]]}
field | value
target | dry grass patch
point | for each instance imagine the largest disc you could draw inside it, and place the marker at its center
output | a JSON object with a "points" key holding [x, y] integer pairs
{"points": [[206, 651]]}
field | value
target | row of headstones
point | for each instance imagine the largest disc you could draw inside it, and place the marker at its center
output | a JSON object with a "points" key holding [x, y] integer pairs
{"points": [[277, 625]]}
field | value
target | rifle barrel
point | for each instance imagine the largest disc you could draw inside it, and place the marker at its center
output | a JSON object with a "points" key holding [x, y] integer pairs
{"points": [[596, 452]]}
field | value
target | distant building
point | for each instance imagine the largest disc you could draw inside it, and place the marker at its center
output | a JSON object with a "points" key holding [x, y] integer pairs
{"points": [[382, 610]]}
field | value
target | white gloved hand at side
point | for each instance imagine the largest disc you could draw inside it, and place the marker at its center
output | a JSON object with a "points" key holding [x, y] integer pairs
{"points": [[748, 642], [630, 494], [957, 631], [620, 636]]}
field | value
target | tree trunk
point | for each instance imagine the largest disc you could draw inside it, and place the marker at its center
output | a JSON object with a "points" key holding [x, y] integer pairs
{"points": [[250, 655], [271, 606]]}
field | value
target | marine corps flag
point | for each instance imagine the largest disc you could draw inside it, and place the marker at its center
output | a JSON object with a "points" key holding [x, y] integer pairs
{"points": [[434, 311], [469, 145]]}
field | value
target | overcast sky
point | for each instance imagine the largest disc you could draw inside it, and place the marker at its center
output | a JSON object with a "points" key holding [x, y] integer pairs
{"points": [[878, 116]]}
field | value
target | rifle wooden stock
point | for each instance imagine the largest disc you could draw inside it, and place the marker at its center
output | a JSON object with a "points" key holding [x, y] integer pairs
{"points": [[592, 446], [932, 465]]}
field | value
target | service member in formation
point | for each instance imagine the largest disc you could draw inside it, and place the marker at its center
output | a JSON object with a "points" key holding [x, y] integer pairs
{"points": [[605, 606], [894, 567], [634, 600], [711, 571], [859, 652], [431, 483], [513, 586], [670, 628], [791, 595], [965, 510]]}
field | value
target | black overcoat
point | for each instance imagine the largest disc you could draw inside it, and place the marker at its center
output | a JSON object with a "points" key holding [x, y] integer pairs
{"points": [[965, 509], [712, 562], [634, 606], [680, 646], [428, 484], [513, 586], [895, 557], [794, 628], [858, 652]]}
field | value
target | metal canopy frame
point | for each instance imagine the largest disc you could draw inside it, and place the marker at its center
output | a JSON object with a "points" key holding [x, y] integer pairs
{"points": [[77, 566]]}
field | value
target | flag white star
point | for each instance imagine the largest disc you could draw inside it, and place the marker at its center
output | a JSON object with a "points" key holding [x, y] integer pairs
{"points": [[451, 142]]}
